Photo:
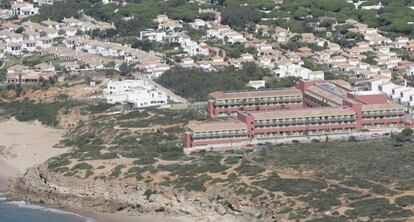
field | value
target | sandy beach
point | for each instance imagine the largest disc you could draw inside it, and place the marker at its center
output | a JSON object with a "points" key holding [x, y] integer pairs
{"points": [[23, 145]]}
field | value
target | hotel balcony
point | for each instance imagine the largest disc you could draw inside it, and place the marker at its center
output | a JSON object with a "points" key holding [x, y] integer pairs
{"points": [[222, 135], [259, 101], [337, 120], [382, 113]]}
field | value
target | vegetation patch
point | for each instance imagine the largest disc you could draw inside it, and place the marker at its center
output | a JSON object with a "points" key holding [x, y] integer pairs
{"points": [[291, 187]]}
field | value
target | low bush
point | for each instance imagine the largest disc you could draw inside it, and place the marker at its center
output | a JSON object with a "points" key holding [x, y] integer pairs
{"points": [[405, 201]]}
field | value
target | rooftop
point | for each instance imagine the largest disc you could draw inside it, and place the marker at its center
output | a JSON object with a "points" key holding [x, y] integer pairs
{"points": [[203, 126], [326, 94], [255, 94], [302, 113], [382, 106]]}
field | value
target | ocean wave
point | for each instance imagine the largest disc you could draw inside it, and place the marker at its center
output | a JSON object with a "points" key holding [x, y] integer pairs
{"points": [[2, 197], [23, 204]]}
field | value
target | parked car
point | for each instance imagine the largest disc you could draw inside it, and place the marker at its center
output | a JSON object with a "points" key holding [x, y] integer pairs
{"points": [[376, 135]]}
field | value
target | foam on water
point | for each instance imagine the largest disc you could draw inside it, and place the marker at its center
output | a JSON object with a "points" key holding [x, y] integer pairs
{"points": [[2, 197], [22, 204]]}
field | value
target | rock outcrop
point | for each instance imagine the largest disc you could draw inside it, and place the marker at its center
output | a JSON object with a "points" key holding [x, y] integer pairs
{"points": [[41, 186]]}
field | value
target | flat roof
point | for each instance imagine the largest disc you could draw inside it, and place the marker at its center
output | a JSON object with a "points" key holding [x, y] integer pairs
{"points": [[302, 113], [205, 126], [255, 94], [342, 83], [382, 106], [366, 93], [325, 94]]}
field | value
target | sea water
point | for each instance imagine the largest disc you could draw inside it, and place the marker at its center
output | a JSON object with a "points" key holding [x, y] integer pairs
{"points": [[23, 212]]}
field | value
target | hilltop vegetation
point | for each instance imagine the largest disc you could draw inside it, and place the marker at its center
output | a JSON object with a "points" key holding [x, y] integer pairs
{"points": [[240, 14], [196, 84]]}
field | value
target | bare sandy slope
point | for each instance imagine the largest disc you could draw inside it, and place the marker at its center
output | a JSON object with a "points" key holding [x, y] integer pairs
{"points": [[23, 145]]}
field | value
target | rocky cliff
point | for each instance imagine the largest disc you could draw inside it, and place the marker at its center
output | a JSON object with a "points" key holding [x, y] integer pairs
{"points": [[41, 186]]}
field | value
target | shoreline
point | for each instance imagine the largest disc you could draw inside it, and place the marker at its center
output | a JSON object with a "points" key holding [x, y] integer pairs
{"points": [[121, 217], [7, 173]]}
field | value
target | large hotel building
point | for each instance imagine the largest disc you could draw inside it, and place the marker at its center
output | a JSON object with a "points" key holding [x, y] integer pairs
{"points": [[313, 108], [233, 101]]}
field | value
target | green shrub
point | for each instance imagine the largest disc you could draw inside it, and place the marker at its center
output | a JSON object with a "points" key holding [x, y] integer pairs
{"points": [[291, 187], [231, 160], [116, 171], [249, 169], [377, 208], [197, 183], [232, 177], [145, 160], [81, 166], [405, 201]]}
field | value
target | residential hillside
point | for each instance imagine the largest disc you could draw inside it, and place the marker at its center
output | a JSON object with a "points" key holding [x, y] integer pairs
{"points": [[215, 110]]}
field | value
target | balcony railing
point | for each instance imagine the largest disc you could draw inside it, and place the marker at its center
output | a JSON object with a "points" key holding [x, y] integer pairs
{"points": [[259, 101], [383, 113], [215, 135], [305, 122]]}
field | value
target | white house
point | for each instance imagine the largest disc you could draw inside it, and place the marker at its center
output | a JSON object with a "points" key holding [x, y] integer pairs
{"points": [[410, 70], [29, 45], [406, 94], [226, 34], [155, 70], [372, 7], [257, 84], [2, 50], [152, 35], [43, 2], [23, 9], [281, 35], [400, 42], [396, 92], [13, 48], [199, 23]]}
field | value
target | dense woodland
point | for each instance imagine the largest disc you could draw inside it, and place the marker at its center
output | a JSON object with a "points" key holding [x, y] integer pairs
{"points": [[239, 15]]}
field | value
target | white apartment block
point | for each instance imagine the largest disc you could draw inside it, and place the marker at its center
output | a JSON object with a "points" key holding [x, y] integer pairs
{"points": [[401, 94], [139, 93], [285, 70]]}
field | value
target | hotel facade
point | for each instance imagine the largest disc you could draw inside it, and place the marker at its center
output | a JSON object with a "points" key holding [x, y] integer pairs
{"points": [[313, 108], [228, 102]]}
